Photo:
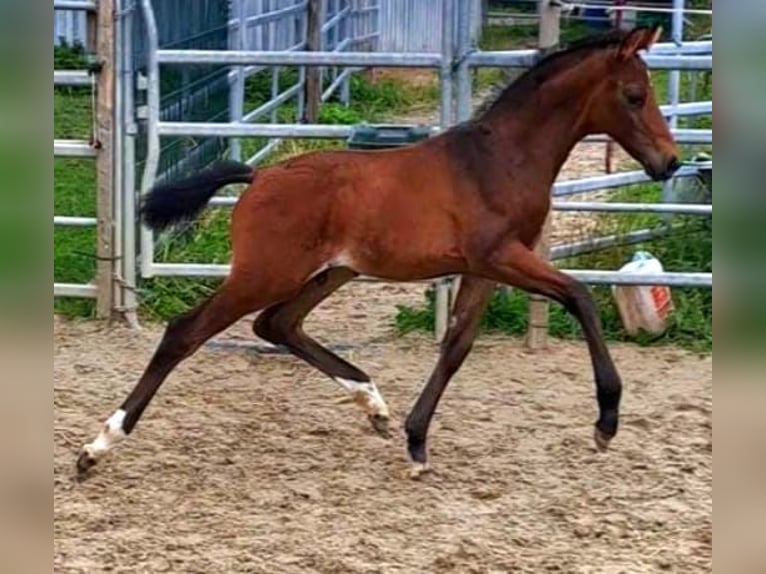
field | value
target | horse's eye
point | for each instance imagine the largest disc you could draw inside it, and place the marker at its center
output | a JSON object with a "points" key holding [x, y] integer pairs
{"points": [[635, 99]]}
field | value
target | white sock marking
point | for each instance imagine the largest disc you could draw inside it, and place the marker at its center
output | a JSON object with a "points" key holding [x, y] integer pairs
{"points": [[366, 395], [109, 436]]}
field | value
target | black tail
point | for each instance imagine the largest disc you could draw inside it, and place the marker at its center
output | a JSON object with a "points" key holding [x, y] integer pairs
{"points": [[177, 201]]}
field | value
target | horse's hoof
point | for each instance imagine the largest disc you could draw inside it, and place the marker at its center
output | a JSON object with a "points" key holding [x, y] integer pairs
{"points": [[601, 439], [380, 424], [84, 463], [417, 470]]}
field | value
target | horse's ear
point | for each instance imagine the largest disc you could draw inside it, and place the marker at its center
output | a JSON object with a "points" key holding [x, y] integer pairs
{"points": [[638, 39]]}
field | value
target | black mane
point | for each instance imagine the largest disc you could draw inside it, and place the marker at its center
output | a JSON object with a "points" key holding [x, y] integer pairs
{"points": [[548, 66]]}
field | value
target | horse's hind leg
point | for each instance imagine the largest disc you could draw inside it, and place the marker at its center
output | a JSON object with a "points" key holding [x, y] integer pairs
{"points": [[282, 324], [183, 336]]}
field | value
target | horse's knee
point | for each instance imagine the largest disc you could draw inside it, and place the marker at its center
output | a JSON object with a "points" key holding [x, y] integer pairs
{"points": [[268, 327]]}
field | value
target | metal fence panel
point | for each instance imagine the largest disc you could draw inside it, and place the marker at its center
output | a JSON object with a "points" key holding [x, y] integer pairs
{"points": [[416, 26], [69, 27]]}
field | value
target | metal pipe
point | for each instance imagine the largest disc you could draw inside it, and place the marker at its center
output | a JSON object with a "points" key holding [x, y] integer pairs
{"points": [[600, 182], [280, 14], [621, 278], [528, 58], [69, 221], [84, 5], [446, 119], [255, 130], [592, 245], [681, 136], [118, 125], [237, 89], [672, 208], [129, 173], [246, 58], [463, 70], [74, 290], [217, 270], [73, 148], [255, 159], [337, 83], [674, 82], [587, 276], [335, 20], [274, 103], [71, 78], [446, 113], [152, 128], [688, 109]]}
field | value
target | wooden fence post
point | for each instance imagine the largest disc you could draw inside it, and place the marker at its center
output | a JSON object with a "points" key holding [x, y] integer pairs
{"points": [[313, 74], [537, 331], [104, 142]]}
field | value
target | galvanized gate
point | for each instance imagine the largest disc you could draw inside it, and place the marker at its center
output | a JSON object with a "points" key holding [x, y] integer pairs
{"points": [[347, 44]]}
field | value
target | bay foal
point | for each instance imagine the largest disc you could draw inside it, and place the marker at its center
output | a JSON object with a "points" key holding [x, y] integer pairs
{"points": [[471, 201]]}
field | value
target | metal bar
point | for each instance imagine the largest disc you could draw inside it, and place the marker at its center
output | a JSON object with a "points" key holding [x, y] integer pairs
{"points": [[74, 290], [250, 70], [611, 181], [640, 8], [217, 270], [152, 128], [71, 78], [687, 109], [256, 158], [274, 103], [621, 278], [463, 71], [254, 130], [73, 148], [69, 221], [681, 136], [85, 5], [675, 208], [365, 38], [129, 267], [247, 58], [601, 243], [335, 20], [237, 79], [261, 19], [446, 119], [587, 276], [674, 83], [342, 77], [687, 48], [528, 58]]}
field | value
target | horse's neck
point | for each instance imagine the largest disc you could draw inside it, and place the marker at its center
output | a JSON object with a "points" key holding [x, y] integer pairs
{"points": [[545, 130]]}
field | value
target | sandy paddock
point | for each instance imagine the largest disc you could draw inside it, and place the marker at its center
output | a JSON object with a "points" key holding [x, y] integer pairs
{"points": [[245, 463]]}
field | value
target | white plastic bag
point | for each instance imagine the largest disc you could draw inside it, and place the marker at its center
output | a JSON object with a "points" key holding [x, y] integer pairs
{"points": [[643, 307]]}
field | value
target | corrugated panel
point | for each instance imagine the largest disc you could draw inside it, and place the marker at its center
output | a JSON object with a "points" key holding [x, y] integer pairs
{"points": [[69, 27], [416, 25]]}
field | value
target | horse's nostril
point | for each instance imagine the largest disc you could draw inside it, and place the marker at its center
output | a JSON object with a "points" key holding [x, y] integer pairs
{"points": [[673, 166]]}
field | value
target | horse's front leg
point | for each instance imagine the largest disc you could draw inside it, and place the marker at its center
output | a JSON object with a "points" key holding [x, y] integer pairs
{"points": [[472, 299], [514, 264]]}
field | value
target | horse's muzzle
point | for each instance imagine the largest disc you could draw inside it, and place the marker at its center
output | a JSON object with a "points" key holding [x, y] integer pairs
{"points": [[666, 172]]}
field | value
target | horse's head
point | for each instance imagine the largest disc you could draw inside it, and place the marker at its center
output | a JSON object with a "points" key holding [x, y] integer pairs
{"points": [[624, 107]]}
